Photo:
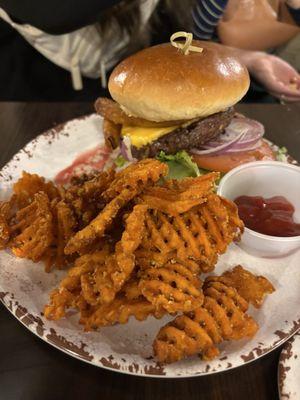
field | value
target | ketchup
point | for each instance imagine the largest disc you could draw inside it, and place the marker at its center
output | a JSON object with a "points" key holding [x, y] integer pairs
{"points": [[273, 216], [87, 162]]}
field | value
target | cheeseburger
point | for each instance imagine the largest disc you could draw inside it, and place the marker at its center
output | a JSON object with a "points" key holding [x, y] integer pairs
{"points": [[166, 100]]}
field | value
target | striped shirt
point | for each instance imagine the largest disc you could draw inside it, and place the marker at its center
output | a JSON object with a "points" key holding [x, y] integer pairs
{"points": [[206, 15]]}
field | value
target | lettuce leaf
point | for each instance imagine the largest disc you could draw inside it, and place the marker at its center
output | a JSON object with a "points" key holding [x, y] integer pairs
{"points": [[281, 154], [120, 161], [180, 165]]}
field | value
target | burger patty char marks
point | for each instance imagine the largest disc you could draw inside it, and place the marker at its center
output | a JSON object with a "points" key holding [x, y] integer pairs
{"points": [[186, 138]]}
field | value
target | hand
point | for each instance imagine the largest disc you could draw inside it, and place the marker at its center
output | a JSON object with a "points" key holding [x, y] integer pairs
{"points": [[278, 77], [293, 3]]}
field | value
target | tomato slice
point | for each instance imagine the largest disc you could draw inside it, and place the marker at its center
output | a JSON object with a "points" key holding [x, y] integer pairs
{"points": [[226, 162]]}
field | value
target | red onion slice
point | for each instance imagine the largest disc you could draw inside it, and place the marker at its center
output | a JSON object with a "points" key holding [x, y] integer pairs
{"points": [[221, 147], [126, 149], [254, 131], [242, 134], [236, 149], [123, 150]]}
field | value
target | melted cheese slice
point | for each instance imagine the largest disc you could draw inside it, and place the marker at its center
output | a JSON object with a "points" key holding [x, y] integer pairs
{"points": [[140, 136]]}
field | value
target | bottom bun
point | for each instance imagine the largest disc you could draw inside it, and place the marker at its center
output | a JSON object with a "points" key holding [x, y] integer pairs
{"points": [[226, 162]]}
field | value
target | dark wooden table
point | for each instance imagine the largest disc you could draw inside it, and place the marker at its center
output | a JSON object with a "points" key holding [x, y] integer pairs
{"points": [[33, 370]]}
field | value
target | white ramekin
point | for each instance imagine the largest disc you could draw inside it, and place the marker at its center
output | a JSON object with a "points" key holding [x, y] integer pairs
{"points": [[266, 179]]}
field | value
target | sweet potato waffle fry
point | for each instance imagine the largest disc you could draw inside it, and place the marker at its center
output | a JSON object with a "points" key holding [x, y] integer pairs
{"points": [[79, 290], [136, 177], [7, 211], [253, 288], [64, 228], [88, 187], [4, 232], [30, 184], [131, 290], [84, 238], [24, 191], [32, 232], [148, 259], [200, 234], [84, 195], [72, 208], [125, 187], [119, 311], [222, 317], [165, 234], [69, 292], [120, 265], [172, 287], [200, 184], [175, 198]]}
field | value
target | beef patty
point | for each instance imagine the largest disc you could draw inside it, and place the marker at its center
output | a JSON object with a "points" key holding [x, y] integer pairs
{"points": [[185, 138]]}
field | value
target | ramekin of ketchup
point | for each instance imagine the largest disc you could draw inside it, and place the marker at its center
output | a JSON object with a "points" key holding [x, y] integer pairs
{"points": [[267, 194], [273, 216]]}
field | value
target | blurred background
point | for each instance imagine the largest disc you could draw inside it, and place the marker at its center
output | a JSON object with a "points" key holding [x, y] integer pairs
{"points": [[65, 50]]}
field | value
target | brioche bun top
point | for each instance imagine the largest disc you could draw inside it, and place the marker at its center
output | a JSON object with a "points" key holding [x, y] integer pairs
{"points": [[160, 83]]}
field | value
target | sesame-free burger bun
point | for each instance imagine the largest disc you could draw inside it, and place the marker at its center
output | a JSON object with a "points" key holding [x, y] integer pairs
{"points": [[160, 83]]}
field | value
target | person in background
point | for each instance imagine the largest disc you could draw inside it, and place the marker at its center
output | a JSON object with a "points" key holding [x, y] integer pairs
{"points": [[276, 75], [47, 43], [86, 39]]}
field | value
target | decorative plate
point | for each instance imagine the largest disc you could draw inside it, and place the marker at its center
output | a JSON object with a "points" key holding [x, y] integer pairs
{"points": [[289, 370], [25, 287]]}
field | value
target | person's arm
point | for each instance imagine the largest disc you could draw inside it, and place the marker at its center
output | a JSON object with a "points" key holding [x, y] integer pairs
{"points": [[56, 16], [276, 75]]}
